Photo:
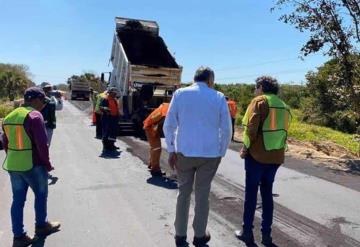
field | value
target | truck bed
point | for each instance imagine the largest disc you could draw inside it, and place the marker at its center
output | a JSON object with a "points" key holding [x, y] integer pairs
{"points": [[143, 48]]}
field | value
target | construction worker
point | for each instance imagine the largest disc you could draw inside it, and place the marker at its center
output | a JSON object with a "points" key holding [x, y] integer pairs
{"points": [[49, 111], [58, 97], [233, 110], [93, 96], [110, 119], [266, 122], [27, 162], [153, 125], [98, 114]]}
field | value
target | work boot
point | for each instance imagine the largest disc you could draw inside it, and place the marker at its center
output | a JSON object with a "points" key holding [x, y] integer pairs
{"points": [[110, 153], [157, 173], [180, 241], [201, 241], [24, 241], [113, 148], [48, 228], [246, 237], [266, 240]]}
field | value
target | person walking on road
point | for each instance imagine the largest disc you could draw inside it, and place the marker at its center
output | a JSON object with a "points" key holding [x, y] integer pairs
{"points": [[27, 162], [49, 112], [197, 131], [110, 119], [233, 111], [153, 126], [266, 122]]}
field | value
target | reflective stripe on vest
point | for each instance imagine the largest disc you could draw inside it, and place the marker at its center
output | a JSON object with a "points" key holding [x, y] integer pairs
{"points": [[275, 126], [113, 106], [19, 154], [156, 116]]}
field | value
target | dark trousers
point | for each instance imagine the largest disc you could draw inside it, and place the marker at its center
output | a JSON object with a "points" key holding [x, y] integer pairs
{"points": [[233, 128], [108, 145], [263, 175], [109, 131], [98, 125]]}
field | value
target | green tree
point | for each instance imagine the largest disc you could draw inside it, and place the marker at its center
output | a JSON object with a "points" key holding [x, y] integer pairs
{"points": [[14, 79], [327, 104], [293, 95], [241, 93], [333, 27]]}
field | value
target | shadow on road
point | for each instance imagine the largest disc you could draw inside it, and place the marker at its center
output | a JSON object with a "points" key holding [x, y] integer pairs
{"points": [[162, 182], [272, 245], [252, 245], [354, 166], [52, 179], [41, 241], [267, 245], [110, 155]]}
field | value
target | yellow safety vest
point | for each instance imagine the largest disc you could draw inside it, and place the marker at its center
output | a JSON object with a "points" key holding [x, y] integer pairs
{"points": [[276, 124], [19, 154]]}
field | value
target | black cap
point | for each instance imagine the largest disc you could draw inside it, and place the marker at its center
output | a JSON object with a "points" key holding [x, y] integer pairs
{"points": [[34, 93], [112, 90]]}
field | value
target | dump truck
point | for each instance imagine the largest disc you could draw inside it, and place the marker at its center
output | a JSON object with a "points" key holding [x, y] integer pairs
{"points": [[144, 71], [79, 90]]}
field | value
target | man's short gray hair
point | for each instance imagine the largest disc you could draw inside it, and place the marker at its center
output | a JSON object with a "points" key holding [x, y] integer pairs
{"points": [[204, 74]]}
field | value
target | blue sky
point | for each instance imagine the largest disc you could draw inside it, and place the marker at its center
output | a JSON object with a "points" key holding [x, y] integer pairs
{"points": [[239, 39]]}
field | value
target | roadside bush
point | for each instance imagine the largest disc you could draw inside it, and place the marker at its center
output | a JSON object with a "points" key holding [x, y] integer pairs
{"points": [[345, 121], [238, 119], [332, 103], [5, 109], [241, 93], [309, 132], [293, 95]]}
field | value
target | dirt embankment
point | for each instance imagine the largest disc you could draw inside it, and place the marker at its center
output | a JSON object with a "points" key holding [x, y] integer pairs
{"points": [[325, 153]]}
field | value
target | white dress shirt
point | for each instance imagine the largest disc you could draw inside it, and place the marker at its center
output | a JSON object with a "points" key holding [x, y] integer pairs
{"points": [[198, 122]]}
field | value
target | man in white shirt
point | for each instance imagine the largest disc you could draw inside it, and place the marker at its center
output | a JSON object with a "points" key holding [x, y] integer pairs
{"points": [[197, 131]]}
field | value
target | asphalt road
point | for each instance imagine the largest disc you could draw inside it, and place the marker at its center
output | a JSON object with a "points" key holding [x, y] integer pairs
{"points": [[114, 202]]}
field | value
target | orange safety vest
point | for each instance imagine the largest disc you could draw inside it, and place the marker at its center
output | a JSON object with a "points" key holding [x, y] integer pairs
{"points": [[232, 108], [113, 106], [156, 116]]}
